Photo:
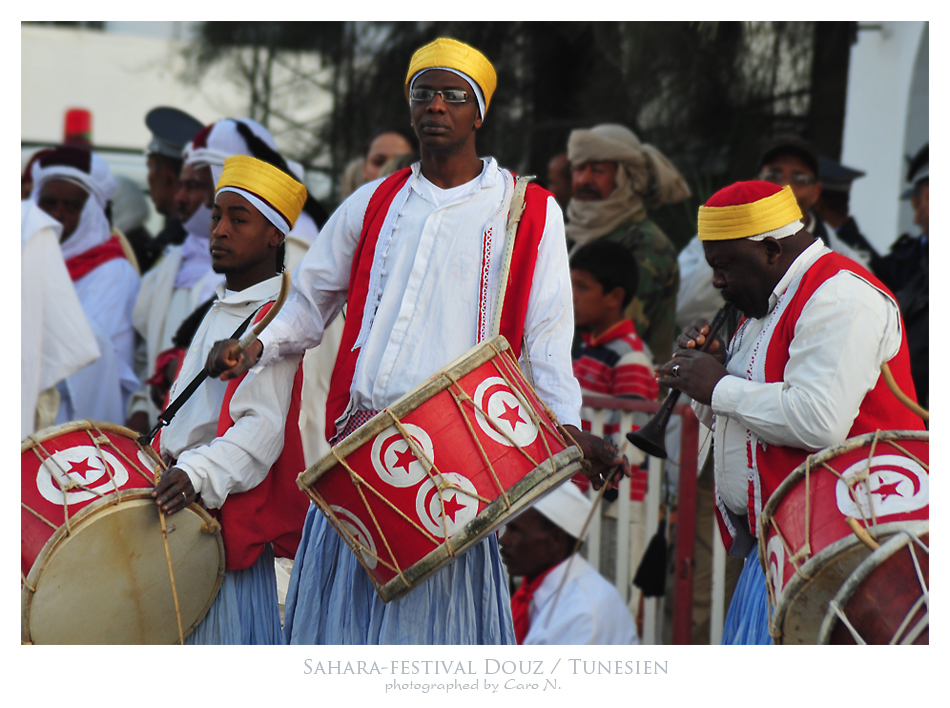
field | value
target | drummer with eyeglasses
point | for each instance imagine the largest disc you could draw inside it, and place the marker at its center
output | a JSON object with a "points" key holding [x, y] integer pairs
{"points": [[802, 372], [417, 258]]}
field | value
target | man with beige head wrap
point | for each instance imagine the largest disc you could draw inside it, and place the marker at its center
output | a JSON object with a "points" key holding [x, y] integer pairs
{"points": [[615, 180]]}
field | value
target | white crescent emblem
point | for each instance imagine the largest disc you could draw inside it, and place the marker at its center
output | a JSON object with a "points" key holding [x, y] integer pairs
{"points": [[352, 523], [506, 412], [395, 460], [894, 485], [85, 465], [454, 508], [775, 559]]}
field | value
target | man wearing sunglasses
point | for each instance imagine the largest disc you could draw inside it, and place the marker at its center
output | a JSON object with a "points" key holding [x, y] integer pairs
{"points": [[416, 257], [794, 161]]}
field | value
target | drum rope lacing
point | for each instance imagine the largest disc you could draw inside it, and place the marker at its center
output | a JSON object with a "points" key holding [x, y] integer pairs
{"points": [[856, 479], [97, 440], [436, 477], [921, 624]]}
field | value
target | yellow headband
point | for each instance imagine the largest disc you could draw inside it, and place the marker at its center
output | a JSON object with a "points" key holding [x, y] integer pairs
{"points": [[275, 188], [725, 223], [452, 54]]}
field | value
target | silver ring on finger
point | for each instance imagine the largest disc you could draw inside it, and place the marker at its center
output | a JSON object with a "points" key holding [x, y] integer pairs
{"points": [[676, 370]]}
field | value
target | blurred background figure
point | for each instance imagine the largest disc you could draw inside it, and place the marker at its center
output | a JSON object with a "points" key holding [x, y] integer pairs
{"points": [[794, 161], [562, 598], [171, 130], [58, 341], [74, 186], [615, 179], [559, 180], [385, 144]]}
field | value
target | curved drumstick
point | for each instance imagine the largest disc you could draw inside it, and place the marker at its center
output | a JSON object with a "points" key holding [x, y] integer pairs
{"points": [[243, 343], [254, 332], [901, 396]]}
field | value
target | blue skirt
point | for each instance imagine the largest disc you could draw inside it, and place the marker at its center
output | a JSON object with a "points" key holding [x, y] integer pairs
{"points": [[331, 600], [747, 621], [245, 610]]}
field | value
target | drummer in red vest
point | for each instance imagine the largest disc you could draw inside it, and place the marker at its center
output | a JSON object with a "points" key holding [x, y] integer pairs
{"points": [[417, 257], [802, 372], [229, 443]]}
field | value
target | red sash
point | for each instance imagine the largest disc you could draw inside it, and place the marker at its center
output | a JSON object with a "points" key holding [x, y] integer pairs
{"points": [[88, 261], [521, 603], [273, 511], [514, 310]]}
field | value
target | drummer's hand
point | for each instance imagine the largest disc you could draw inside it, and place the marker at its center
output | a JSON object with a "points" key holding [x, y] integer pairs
{"points": [[696, 375], [221, 364], [694, 338], [606, 464], [174, 491]]}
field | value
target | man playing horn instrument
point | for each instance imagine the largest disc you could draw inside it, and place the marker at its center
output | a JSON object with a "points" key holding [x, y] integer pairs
{"points": [[802, 372]]}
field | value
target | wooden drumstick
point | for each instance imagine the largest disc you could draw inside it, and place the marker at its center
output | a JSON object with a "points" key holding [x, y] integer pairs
{"points": [[901, 396], [254, 332], [862, 533]]}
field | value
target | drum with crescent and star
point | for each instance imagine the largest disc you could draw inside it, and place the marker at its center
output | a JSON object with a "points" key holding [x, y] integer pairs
{"points": [[441, 468], [98, 564], [844, 543]]}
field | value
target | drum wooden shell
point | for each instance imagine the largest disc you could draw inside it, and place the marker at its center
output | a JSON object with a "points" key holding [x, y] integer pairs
{"points": [[102, 576], [806, 548], [441, 468]]}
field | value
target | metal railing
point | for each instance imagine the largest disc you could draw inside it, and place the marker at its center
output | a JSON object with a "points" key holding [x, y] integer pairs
{"points": [[629, 548]]}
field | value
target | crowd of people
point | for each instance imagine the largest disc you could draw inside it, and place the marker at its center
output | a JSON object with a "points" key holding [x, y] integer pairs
{"points": [[399, 281]]}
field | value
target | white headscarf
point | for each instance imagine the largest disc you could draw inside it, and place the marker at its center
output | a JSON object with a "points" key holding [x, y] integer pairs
{"points": [[93, 228], [225, 141], [645, 179]]}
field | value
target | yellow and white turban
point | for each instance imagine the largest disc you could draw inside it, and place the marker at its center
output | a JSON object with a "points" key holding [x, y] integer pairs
{"points": [[274, 193], [754, 210], [465, 61]]}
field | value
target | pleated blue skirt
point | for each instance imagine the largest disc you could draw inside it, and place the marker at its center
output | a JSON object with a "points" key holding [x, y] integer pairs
{"points": [[245, 610], [747, 621], [331, 600]]}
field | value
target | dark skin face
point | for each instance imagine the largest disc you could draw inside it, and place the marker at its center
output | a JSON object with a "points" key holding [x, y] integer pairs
{"points": [[746, 272], [593, 181], [243, 242], [594, 308], [64, 201], [446, 131], [529, 546], [162, 185], [192, 192]]}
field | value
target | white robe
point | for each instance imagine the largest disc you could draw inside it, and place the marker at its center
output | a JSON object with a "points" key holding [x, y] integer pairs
{"points": [[159, 311], [55, 337], [589, 609]]}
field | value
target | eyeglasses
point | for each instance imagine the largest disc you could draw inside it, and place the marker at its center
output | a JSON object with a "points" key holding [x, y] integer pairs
{"points": [[799, 179], [449, 96]]}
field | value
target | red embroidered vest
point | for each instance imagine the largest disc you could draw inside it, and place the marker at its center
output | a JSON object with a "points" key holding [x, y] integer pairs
{"points": [[514, 310]]}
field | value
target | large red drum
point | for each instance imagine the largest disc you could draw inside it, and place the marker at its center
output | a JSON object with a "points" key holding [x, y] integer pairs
{"points": [[441, 468], [95, 565], [820, 531]]}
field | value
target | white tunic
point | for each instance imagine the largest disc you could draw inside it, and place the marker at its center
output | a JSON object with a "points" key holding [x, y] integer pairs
{"points": [[846, 330], [588, 611], [159, 311], [422, 309], [240, 459], [55, 338]]}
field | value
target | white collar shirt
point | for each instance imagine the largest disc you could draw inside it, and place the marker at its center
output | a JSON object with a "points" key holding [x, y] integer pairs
{"points": [[846, 330], [240, 459], [422, 309]]}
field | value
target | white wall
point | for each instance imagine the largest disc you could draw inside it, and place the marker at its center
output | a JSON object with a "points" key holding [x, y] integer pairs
{"points": [[886, 118]]}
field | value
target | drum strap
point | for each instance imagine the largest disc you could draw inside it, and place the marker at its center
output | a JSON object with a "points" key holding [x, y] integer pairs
{"points": [[166, 417]]}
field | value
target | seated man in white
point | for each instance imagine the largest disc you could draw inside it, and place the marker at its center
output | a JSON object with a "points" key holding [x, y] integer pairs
{"points": [[562, 598]]}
